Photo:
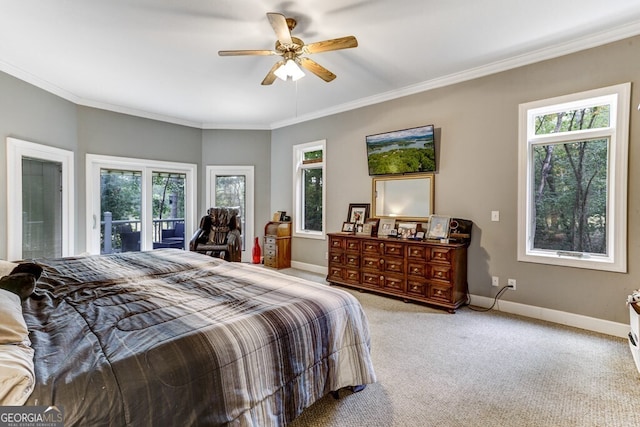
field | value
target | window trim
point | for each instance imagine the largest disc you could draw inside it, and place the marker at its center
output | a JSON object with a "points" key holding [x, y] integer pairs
{"points": [[618, 96], [298, 165]]}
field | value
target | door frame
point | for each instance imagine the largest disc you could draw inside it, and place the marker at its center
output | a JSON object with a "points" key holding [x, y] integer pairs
{"points": [[16, 150], [248, 228]]}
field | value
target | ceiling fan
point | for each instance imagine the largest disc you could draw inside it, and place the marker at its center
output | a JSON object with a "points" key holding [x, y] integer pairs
{"points": [[291, 49]]}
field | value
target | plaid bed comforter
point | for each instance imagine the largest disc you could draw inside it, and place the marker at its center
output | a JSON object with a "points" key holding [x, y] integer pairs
{"points": [[176, 338]]}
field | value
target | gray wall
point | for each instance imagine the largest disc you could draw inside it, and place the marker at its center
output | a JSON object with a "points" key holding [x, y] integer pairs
{"points": [[478, 123], [241, 148], [477, 165], [34, 115]]}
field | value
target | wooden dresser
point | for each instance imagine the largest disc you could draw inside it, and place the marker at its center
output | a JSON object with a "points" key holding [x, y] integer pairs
{"points": [[277, 244], [425, 271]]}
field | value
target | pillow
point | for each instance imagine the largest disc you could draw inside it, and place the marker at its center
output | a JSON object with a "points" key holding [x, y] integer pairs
{"points": [[6, 267], [17, 375]]}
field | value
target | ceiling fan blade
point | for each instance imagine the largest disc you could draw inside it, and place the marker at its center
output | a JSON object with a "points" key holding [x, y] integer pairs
{"points": [[279, 24], [271, 77], [317, 69], [333, 44], [245, 52]]}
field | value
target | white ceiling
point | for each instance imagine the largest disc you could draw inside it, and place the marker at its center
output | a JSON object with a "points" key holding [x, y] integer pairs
{"points": [[158, 58]]}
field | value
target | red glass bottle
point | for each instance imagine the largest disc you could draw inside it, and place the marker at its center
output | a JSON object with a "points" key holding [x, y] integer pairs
{"points": [[256, 252]]}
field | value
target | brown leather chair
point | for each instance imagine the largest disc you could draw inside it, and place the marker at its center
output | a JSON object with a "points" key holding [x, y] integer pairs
{"points": [[219, 234]]}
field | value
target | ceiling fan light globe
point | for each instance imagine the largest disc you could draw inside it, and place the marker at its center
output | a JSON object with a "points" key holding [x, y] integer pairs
{"points": [[289, 69]]}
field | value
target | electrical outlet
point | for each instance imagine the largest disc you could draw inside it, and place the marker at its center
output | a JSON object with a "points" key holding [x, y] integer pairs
{"points": [[495, 216], [495, 281], [511, 283]]}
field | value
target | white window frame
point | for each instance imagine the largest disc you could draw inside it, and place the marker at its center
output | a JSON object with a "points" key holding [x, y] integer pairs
{"points": [[298, 202], [94, 163], [618, 97], [16, 150]]}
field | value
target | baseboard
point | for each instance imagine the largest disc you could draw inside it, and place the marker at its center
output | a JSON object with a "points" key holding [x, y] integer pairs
{"points": [[309, 267], [562, 317]]}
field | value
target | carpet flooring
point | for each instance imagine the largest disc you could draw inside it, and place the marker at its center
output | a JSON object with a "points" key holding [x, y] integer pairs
{"points": [[482, 369]]}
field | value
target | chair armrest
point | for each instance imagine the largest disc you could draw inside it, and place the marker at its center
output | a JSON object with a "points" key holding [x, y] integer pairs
{"points": [[196, 239]]}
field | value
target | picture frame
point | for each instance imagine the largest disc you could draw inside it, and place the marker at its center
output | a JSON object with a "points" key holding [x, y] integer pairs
{"points": [[419, 235], [385, 226], [348, 227], [277, 216], [358, 213], [366, 230], [374, 222], [438, 227], [407, 230]]}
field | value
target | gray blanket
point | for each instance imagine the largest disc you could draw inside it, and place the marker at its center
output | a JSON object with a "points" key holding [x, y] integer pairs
{"points": [[175, 338]]}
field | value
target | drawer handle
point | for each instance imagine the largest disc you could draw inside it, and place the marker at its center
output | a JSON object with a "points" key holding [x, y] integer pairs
{"points": [[392, 249], [381, 261], [439, 274], [416, 270], [382, 245], [352, 275]]}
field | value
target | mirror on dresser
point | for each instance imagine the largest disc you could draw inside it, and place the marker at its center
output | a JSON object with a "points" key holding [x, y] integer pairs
{"points": [[406, 197]]}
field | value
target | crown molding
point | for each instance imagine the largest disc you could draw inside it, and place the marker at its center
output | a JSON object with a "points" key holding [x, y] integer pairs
{"points": [[557, 50]]}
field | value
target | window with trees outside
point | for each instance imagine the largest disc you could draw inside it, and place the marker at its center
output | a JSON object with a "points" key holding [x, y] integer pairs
{"points": [[572, 179], [309, 194]]}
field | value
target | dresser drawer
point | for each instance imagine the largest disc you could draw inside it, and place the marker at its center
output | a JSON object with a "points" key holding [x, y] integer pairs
{"points": [[440, 293], [372, 279], [393, 249], [335, 273], [372, 247], [371, 263], [417, 288], [393, 283], [336, 242], [269, 240], [352, 260], [395, 265], [351, 276], [417, 252], [441, 255], [336, 257], [417, 269], [352, 245], [440, 273]]}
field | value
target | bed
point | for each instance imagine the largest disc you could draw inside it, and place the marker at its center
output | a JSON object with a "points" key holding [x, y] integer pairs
{"points": [[171, 337]]}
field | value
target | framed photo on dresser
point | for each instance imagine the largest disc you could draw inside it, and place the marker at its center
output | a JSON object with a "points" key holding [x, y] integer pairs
{"points": [[438, 227]]}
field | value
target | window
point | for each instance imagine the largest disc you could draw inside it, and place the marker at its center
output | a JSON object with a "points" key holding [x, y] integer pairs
{"points": [[309, 194], [572, 180]]}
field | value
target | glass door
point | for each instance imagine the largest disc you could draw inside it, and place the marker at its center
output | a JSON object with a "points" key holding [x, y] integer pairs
{"points": [[139, 204], [40, 202], [230, 186], [169, 201], [120, 210], [41, 208]]}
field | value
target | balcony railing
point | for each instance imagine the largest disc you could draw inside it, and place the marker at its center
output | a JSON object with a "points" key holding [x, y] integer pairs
{"points": [[123, 235]]}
